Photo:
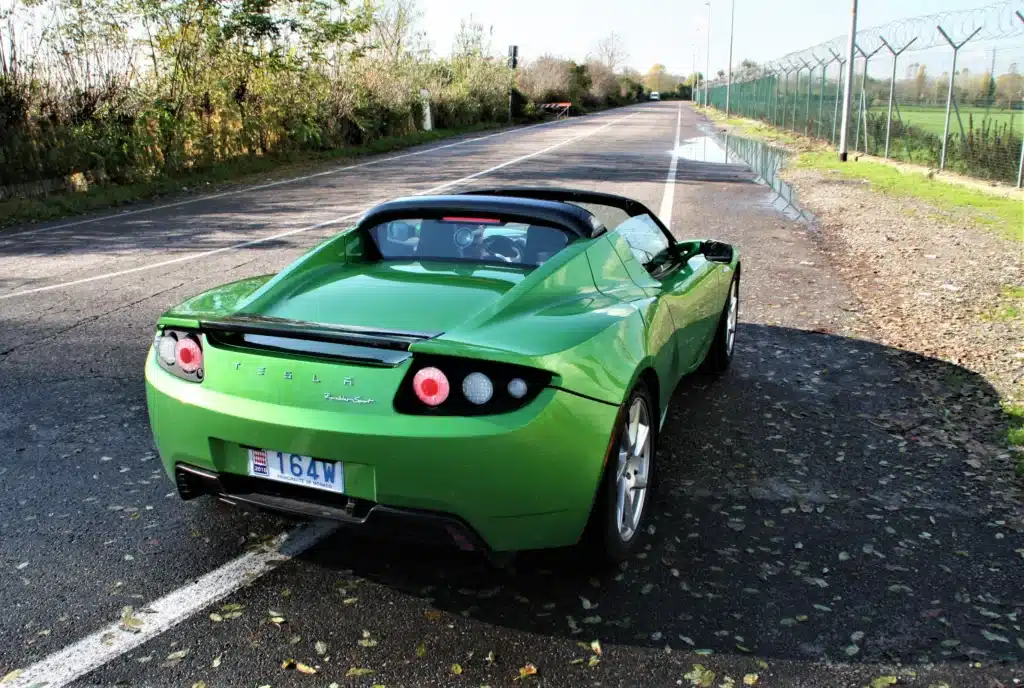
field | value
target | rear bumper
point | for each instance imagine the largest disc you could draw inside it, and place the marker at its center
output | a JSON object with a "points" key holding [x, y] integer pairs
{"points": [[368, 518], [522, 480]]}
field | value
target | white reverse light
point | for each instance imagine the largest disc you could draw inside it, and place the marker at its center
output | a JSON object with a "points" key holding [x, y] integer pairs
{"points": [[478, 388], [517, 387], [166, 349]]}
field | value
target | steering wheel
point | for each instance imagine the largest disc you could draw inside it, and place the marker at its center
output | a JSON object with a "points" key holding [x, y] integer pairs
{"points": [[504, 247]]}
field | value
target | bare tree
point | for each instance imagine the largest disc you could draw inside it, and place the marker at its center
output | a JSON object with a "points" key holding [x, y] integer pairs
{"points": [[611, 51], [393, 33]]}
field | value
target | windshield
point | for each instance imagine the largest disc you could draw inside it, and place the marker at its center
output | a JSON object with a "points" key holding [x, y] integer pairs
{"points": [[475, 240]]}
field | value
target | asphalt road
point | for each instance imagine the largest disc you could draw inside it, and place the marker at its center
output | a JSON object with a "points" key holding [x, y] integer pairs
{"points": [[802, 531]]}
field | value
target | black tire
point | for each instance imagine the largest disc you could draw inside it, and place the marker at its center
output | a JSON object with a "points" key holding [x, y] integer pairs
{"points": [[720, 353], [604, 543]]}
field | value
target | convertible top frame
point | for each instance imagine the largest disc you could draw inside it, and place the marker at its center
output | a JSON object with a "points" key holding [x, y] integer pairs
{"points": [[631, 207]]}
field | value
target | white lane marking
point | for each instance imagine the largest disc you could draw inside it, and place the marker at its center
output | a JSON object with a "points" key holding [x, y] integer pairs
{"points": [[159, 616], [670, 181], [319, 225], [268, 185]]}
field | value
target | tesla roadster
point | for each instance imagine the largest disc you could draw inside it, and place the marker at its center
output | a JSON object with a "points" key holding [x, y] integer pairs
{"points": [[488, 369]]}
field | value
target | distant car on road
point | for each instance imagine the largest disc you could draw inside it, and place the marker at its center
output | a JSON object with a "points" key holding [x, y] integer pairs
{"points": [[489, 369], [655, 95]]}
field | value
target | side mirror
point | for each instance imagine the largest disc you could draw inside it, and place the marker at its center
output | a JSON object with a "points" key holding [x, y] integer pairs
{"points": [[717, 251]]}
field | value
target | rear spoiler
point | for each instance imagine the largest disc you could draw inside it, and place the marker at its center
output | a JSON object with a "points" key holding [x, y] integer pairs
{"points": [[374, 346]]}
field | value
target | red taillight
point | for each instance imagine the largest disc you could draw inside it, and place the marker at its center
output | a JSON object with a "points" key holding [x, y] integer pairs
{"points": [[431, 386], [188, 355]]}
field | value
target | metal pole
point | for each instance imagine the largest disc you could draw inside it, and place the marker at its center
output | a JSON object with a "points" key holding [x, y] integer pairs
{"points": [[839, 90], [796, 94], [821, 91], [847, 90], [707, 74], [694, 87], [892, 89], [1020, 165], [949, 94], [785, 97], [862, 111], [728, 84], [810, 80]]}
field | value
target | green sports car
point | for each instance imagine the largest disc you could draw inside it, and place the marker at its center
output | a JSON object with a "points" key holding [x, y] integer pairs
{"points": [[488, 369]]}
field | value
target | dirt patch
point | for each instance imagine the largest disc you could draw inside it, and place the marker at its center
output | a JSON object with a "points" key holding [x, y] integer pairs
{"points": [[930, 282]]}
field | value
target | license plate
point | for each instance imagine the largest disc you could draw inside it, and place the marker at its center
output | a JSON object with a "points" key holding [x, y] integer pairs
{"points": [[297, 469]]}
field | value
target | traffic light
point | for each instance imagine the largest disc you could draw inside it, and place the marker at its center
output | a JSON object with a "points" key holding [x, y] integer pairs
{"points": [[513, 56]]}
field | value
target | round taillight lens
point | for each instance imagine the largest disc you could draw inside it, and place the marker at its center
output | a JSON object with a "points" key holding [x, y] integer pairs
{"points": [[431, 386], [478, 388], [517, 387], [167, 349], [188, 355]]}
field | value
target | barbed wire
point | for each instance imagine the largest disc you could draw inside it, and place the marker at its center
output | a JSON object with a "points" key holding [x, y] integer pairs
{"points": [[994, 22]]}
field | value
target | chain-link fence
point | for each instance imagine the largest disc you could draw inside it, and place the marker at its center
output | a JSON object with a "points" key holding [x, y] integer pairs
{"points": [[942, 90]]}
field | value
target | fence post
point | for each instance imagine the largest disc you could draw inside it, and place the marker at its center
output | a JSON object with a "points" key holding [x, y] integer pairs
{"points": [[863, 110], [839, 92], [892, 89], [949, 94], [796, 94], [1020, 165], [810, 80], [821, 91]]}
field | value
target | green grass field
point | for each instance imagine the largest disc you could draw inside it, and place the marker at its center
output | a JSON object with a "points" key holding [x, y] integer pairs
{"points": [[931, 118]]}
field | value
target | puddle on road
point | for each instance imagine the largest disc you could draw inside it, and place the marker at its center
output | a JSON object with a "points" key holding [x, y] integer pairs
{"points": [[764, 159]]}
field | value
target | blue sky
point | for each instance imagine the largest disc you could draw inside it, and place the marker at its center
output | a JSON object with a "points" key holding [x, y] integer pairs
{"points": [[666, 31]]}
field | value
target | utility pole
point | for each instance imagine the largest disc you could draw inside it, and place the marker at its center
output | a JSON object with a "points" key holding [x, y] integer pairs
{"points": [[728, 84], [694, 85], [848, 86], [707, 74]]}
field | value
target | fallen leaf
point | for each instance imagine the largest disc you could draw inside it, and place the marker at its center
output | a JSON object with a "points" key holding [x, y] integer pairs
{"points": [[647, 588], [180, 654], [587, 604], [421, 650], [216, 618], [288, 664], [456, 669], [595, 645], [199, 684], [305, 668], [750, 679], [11, 676], [350, 600], [700, 676], [432, 614], [578, 660], [528, 670], [130, 622], [490, 657], [355, 671], [994, 637], [883, 681], [594, 661], [320, 647]]}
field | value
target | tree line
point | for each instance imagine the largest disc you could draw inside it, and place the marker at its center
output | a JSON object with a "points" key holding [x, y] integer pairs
{"points": [[125, 91]]}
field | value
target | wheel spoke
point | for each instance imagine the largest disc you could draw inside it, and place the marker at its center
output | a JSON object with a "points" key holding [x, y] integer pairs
{"points": [[641, 439], [631, 515], [623, 464], [634, 422]]}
